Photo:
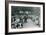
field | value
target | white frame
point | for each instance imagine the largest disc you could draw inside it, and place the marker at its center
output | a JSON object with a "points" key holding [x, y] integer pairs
{"points": [[29, 29]]}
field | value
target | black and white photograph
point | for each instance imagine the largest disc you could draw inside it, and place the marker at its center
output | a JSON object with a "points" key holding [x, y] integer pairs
{"points": [[25, 17]]}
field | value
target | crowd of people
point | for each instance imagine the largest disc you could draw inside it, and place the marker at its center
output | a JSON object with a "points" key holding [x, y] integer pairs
{"points": [[18, 22]]}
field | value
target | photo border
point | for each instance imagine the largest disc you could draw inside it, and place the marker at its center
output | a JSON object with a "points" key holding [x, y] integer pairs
{"points": [[6, 16]]}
